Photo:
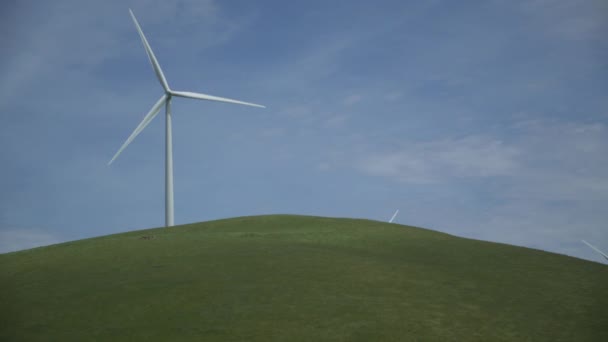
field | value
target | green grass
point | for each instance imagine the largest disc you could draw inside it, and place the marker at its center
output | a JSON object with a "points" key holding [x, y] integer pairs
{"points": [[298, 278]]}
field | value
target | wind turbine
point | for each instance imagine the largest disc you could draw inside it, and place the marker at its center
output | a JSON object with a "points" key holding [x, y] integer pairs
{"points": [[595, 249], [165, 100], [394, 215]]}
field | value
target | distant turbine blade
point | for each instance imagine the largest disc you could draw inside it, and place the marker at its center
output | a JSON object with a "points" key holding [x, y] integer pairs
{"points": [[198, 96], [595, 249], [147, 119], [157, 70], [394, 215]]}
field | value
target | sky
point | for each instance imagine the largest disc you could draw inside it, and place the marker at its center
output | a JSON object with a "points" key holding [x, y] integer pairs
{"points": [[481, 119]]}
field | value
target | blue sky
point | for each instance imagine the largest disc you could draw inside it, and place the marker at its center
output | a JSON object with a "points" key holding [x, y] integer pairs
{"points": [[483, 119]]}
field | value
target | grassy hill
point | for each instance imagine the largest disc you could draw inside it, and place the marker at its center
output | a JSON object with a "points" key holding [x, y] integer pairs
{"points": [[298, 278]]}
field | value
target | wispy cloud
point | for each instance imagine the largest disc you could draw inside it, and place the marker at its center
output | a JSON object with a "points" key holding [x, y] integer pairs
{"points": [[560, 161], [493, 116], [444, 160], [544, 187], [92, 36], [571, 20], [352, 99], [336, 120], [546, 158], [394, 95]]}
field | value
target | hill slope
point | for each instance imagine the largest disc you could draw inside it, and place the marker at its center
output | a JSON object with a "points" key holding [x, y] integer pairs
{"points": [[298, 278]]}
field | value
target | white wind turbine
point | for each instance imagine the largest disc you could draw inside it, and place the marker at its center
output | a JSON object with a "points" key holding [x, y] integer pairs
{"points": [[165, 99], [394, 215], [595, 249]]}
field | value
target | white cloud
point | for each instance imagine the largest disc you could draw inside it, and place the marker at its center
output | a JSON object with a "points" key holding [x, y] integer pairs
{"points": [[571, 20], [18, 239], [442, 160], [545, 188], [324, 166], [337, 120], [394, 95], [352, 99], [312, 64], [273, 132], [562, 161], [550, 160], [297, 111], [98, 32]]}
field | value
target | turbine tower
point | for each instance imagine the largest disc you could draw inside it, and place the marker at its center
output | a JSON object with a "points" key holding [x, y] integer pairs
{"points": [[165, 100], [595, 249]]}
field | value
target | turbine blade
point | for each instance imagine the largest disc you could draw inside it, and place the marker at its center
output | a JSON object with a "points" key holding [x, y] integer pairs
{"points": [[394, 215], [157, 70], [198, 96], [595, 249], [147, 119]]}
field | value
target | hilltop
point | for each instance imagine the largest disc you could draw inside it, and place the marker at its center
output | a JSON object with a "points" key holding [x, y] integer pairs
{"points": [[298, 278]]}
